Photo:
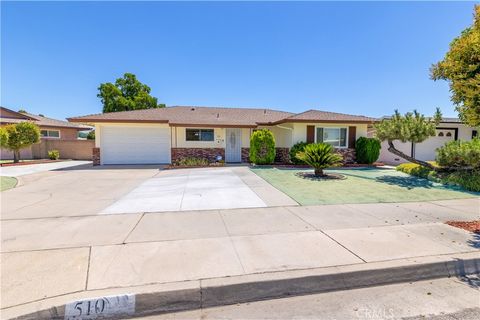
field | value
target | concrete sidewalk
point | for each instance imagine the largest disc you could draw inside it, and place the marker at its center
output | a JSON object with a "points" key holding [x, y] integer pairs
{"points": [[91, 255]]}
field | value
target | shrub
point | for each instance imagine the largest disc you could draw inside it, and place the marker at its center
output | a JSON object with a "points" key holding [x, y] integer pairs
{"points": [[367, 150], [469, 180], [415, 170], [262, 147], [319, 156], [297, 147], [193, 162], [460, 154], [53, 154]]}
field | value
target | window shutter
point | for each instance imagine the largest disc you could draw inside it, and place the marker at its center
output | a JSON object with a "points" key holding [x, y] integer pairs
{"points": [[310, 134], [352, 136]]}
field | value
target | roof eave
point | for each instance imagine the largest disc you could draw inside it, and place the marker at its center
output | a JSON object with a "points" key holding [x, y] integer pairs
{"points": [[323, 121], [211, 125], [77, 120]]}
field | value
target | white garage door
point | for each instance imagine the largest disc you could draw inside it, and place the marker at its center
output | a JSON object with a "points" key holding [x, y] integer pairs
{"points": [[135, 145], [426, 150]]}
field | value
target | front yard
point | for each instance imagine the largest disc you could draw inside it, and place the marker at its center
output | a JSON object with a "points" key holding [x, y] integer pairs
{"points": [[363, 185], [7, 183]]}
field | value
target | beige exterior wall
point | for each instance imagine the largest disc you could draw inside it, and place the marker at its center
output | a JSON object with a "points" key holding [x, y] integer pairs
{"points": [[69, 149], [246, 133], [8, 155], [283, 134]]}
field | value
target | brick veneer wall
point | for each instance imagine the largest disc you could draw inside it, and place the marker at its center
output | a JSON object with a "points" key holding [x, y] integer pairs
{"points": [[348, 154], [96, 156], [282, 156], [245, 154], [206, 153]]}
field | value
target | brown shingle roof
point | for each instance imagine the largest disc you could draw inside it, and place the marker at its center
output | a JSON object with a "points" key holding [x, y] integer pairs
{"points": [[325, 116], [190, 116], [9, 116]]}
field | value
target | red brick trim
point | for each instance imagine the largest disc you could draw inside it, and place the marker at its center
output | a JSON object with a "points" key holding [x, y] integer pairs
{"points": [[206, 153], [96, 156]]}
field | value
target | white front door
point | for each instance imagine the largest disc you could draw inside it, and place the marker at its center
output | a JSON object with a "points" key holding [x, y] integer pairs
{"points": [[233, 147]]}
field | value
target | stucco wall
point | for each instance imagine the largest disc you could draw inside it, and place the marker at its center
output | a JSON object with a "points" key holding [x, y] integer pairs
{"points": [[69, 149], [283, 136], [8, 155]]}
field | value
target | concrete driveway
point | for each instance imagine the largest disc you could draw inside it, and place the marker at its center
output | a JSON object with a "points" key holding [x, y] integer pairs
{"points": [[189, 189], [86, 191], [22, 170]]}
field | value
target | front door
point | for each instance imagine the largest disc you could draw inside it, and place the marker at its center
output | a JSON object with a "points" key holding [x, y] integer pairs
{"points": [[233, 147]]}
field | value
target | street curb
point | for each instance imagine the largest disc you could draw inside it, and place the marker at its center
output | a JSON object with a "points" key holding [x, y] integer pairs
{"points": [[256, 287]]}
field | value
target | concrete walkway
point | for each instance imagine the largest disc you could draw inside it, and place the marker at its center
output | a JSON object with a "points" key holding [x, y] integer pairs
{"points": [[134, 251], [22, 170]]}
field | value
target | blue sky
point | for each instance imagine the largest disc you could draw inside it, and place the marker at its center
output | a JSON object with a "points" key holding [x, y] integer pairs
{"points": [[353, 57]]}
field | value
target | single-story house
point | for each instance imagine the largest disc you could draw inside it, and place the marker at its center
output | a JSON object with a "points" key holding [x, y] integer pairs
{"points": [[166, 135], [447, 130], [50, 130]]}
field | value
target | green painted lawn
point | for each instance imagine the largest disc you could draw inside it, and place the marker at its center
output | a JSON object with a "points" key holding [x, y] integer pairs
{"points": [[361, 186], [7, 183]]}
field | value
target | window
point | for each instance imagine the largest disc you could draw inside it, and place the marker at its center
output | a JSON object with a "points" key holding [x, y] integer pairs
{"points": [[199, 135], [440, 134], [474, 133], [50, 133], [336, 137]]}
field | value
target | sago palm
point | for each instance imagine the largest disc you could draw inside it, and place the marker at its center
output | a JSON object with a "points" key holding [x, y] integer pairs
{"points": [[320, 156]]}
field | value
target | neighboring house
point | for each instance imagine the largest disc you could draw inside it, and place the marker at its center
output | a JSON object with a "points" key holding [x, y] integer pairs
{"points": [[166, 135], [51, 130], [447, 130]]}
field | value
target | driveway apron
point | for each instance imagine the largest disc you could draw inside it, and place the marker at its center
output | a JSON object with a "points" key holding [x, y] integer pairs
{"points": [[190, 189]]}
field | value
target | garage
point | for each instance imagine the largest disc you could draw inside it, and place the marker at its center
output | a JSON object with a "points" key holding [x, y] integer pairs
{"points": [[142, 144]]}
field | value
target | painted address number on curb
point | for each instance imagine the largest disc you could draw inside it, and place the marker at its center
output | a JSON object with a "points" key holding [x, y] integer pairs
{"points": [[100, 307]]}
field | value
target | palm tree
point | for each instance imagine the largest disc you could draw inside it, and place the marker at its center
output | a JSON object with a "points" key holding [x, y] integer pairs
{"points": [[319, 156]]}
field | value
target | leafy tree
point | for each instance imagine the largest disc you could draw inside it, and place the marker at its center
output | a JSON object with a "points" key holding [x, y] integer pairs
{"points": [[126, 94], [3, 137], [91, 135], [262, 147], [367, 150], [412, 127], [319, 156], [19, 136], [461, 68]]}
